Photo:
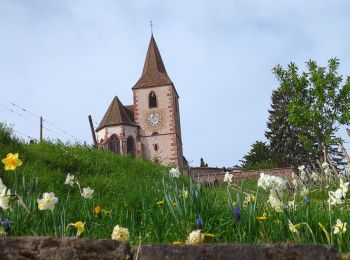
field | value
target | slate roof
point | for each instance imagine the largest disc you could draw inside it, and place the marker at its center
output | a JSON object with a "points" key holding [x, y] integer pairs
{"points": [[154, 73], [116, 114]]}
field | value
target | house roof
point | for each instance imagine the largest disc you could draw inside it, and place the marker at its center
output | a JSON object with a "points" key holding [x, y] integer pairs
{"points": [[154, 73], [116, 114]]}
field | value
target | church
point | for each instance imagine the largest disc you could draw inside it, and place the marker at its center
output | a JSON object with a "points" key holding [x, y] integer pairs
{"points": [[150, 127]]}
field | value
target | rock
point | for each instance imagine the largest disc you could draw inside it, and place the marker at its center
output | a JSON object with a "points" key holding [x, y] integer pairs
{"points": [[236, 251], [65, 248]]}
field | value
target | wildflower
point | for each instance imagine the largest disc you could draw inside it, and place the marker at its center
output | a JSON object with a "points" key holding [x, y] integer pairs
{"points": [[228, 177], [339, 227], [275, 201], [291, 204], [307, 200], [264, 181], [292, 228], [249, 198], [175, 172], [301, 168], [185, 194], [199, 223], [325, 165], [5, 194], [304, 192], [335, 197], [237, 213], [87, 193], [70, 180], [160, 202], [262, 218], [97, 209], [80, 226], [6, 225], [314, 176], [47, 202], [195, 238], [344, 187], [11, 162], [120, 233]]}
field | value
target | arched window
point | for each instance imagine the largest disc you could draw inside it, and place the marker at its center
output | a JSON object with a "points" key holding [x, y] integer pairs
{"points": [[114, 144], [152, 100], [130, 144]]}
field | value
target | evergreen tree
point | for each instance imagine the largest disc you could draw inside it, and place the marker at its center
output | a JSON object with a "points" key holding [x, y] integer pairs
{"points": [[284, 138], [259, 154]]}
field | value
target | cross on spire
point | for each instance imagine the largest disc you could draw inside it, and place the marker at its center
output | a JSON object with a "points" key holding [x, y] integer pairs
{"points": [[151, 25]]}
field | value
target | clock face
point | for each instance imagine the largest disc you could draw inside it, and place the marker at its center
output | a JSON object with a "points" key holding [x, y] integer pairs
{"points": [[154, 119]]}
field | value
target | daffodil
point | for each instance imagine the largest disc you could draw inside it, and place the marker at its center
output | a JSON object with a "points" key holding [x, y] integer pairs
{"points": [[292, 228], [262, 218], [177, 243], [195, 238], [97, 209], [339, 227], [120, 233], [160, 202], [11, 162], [5, 194], [208, 235], [228, 177], [47, 202], [87, 193], [175, 172], [80, 226], [185, 194], [69, 180]]}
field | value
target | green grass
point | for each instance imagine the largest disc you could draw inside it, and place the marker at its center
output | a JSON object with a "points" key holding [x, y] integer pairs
{"points": [[130, 189]]}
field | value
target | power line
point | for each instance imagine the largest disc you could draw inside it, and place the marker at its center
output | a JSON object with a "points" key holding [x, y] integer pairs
{"points": [[35, 115]]}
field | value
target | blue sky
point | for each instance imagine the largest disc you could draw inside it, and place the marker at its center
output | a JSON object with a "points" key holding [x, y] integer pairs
{"points": [[67, 59]]}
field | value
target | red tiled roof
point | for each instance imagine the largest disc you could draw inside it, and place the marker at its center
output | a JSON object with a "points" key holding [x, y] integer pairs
{"points": [[154, 73], [116, 114]]}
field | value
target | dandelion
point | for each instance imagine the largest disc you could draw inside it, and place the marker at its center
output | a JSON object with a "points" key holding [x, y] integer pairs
{"points": [[87, 193], [70, 180], [120, 233], [11, 162], [175, 172], [228, 177], [195, 238], [262, 218], [80, 226], [339, 227], [161, 202], [47, 202]]}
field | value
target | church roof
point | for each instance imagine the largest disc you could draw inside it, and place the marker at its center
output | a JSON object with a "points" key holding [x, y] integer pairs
{"points": [[154, 73], [116, 114]]}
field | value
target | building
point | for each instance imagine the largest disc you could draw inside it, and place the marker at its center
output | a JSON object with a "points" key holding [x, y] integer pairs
{"points": [[150, 128]]}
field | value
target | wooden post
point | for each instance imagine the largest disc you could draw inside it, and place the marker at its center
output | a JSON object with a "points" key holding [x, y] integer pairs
{"points": [[332, 165], [92, 131], [346, 155], [41, 128]]}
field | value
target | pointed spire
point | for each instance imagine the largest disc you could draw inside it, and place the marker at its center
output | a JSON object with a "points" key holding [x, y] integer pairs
{"points": [[154, 73], [116, 114]]}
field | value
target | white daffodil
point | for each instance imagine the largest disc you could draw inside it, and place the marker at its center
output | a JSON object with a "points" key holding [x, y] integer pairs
{"points": [[175, 172], [339, 227], [120, 233], [70, 180], [344, 186], [264, 181], [228, 177], [301, 168], [304, 192], [87, 193], [325, 165], [195, 238], [314, 176], [48, 201], [5, 194], [291, 204], [335, 197], [292, 227], [275, 201]]}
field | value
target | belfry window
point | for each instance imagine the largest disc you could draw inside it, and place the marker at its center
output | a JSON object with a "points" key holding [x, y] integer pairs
{"points": [[152, 100], [114, 144]]}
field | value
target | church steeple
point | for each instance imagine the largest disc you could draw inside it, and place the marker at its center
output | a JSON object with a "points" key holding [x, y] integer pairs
{"points": [[154, 72]]}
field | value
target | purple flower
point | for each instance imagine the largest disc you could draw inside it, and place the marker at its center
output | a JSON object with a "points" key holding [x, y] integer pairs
{"points": [[307, 200], [199, 223], [237, 213]]}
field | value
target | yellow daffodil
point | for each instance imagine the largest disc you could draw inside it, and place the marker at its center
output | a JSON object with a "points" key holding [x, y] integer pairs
{"points": [[160, 202], [208, 235], [174, 203], [293, 228], [177, 243], [80, 226], [262, 218], [97, 209], [11, 162]]}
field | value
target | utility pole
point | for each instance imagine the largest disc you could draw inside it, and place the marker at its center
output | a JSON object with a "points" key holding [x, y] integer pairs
{"points": [[41, 128], [92, 131]]}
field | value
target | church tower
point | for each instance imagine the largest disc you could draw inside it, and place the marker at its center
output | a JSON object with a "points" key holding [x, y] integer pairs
{"points": [[156, 111]]}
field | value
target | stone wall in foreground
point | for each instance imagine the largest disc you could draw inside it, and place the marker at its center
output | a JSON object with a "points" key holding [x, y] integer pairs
{"points": [[77, 248]]}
